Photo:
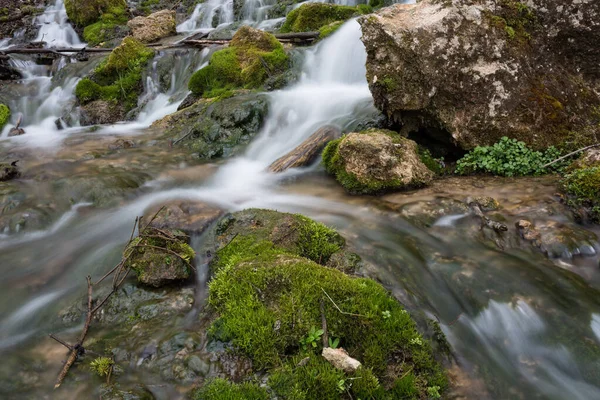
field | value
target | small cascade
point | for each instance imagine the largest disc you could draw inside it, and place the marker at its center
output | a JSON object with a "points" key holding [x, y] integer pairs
{"points": [[208, 15], [54, 28]]}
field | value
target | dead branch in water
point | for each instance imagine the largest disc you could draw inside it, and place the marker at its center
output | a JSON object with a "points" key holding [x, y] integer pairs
{"points": [[119, 273]]}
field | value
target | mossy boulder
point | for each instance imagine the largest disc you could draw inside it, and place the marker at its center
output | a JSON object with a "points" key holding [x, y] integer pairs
{"points": [[117, 81], [375, 161], [253, 56], [314, 16], [86, 12], [160, 257], [153, 27], [582, 188], [217, 128], [110, 26], [495, 57], [4, 115], [267, 299]]}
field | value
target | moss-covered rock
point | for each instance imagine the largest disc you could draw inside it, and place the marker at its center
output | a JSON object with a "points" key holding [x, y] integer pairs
{"points": [[268, 298], [495, 57], [582, 187], [118, 79], [153, 27], [215, 128], [86, 12], [375, 161], [253, 56], [110, 25], [314, 16], [4, 115], [160, 257]]}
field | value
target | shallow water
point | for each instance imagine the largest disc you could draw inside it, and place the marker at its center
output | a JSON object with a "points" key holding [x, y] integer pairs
{"points": [[521, 325]]}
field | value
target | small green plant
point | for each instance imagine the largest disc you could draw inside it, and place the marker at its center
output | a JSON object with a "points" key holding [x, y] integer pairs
{"points": [[386, 314], [416, 341], [341, 385], [508, 157], [434, 392], [314, 335], [334, 343], [102, 366]]}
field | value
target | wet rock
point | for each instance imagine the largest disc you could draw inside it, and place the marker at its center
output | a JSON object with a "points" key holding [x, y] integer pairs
{"points": [[190, 217], [7, 71], [113, 392], [189, 100], [101, 112], [340, 359], [307, 151], [528, 232], [121, 144], [9, 171], [557, 240], [375, 161], [16, 132], [425, 213], [217, 128], [161, 257], [153, 27], [495, 58]]}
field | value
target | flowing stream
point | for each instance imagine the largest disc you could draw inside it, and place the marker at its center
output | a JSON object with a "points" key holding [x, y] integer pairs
{"points": [[521, 326]]}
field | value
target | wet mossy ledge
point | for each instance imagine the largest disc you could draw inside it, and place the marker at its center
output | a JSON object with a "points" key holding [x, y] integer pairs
{"points": [[118, 79], [86, 12], [253, 56], [270, 289], [376, 161], [582, 188], [4, 115], [322, 17], [108, 26]]}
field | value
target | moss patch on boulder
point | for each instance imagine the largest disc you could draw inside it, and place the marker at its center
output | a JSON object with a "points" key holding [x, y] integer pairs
{"points": [[267, 299], [582, 187], [314, 16], [118, 79], [375, 161], [160, 257], [4, 115], [252, 57], [109, 26], [85, 12]]}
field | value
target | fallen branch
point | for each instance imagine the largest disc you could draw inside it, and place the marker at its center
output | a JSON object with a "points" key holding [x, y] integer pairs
{"points": [[570, 154]]}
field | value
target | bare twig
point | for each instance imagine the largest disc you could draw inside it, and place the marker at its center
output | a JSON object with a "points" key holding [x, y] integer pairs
{"points": [[337, 308], [570, 154], [325, 336], [68, 346]]}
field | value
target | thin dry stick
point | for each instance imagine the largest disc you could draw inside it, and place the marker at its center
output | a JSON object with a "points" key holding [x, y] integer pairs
{"points": [[570, 154], [324, 324], [75, 350], [343, 312]]}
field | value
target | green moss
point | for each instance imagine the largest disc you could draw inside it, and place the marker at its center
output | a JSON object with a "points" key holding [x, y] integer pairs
{"points": [[221, 389], [314, 16], [119, 77], [252, 57], [86, 12], [515, 18], [104, 29], [583, 187], [4, 115], [102, 366], [267, 299], [334, 165], [317, 241], [431, 163], [328, 30]]}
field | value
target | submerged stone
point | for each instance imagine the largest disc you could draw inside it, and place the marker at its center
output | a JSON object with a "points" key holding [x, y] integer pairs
{"points": [[191, 217]]}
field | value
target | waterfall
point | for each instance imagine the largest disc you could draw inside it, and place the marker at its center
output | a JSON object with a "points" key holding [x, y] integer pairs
{"points": [[208, 15], [54, 28]]}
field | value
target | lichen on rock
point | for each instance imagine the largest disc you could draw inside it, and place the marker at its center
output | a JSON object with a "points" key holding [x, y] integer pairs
{"points": [[375, 161], [473, 72], [153, 27]]}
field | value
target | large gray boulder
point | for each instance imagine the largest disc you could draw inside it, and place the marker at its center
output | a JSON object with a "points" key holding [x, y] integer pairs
{"points": [[469, 72]]}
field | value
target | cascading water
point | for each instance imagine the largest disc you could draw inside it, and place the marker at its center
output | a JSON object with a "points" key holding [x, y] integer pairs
{"points": [[55, 29], [208, 15]]}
